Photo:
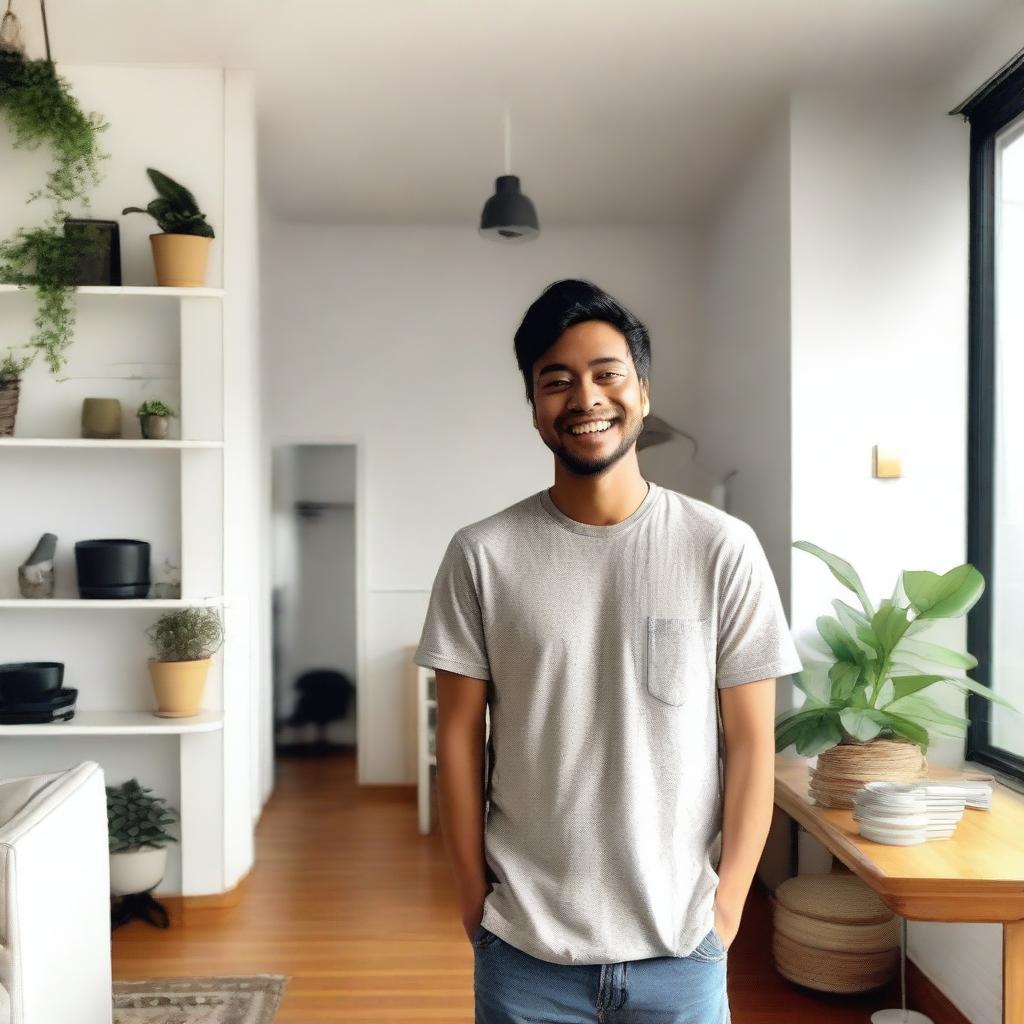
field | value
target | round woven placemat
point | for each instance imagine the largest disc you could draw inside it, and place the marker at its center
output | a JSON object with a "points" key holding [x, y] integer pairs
{"points": [[843, 769], [830, 971], [840, 898]]}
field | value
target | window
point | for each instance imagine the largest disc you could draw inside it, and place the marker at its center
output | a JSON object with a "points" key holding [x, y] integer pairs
{"points": [[995, 510]]}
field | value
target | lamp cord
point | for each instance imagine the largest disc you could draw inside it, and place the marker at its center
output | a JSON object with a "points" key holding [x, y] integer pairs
{"points": [[46, 32]]}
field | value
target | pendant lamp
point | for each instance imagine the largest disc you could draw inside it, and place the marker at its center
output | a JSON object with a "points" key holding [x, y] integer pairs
{"points": [[509, 216]]}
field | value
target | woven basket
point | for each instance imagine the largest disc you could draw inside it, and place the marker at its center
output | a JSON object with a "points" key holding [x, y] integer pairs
{"points": [[844, 768], [9, 391], [833, 933]]}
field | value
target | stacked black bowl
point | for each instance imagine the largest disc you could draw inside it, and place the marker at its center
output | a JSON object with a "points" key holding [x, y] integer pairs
{"points": [[112, 568], [32, 691]]}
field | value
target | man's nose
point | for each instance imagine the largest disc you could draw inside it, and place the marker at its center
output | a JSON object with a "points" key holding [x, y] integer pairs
{"points": [[584, 393]]}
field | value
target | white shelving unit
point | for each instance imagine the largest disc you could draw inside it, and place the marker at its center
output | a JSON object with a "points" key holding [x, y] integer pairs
{"points": [[201, 470]]}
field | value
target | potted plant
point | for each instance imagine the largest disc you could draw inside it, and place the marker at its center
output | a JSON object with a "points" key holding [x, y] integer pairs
{"points": [[39, 107], [154, 416], [11, 369], [185, 641], [865, 715], [137, 837], [181, 251]]}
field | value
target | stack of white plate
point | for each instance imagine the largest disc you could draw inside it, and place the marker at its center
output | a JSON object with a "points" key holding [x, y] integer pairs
{"points": [[892, 812], [977, 793], [903, 814]]}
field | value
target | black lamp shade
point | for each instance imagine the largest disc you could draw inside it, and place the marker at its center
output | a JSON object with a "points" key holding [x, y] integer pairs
{"points": [[509, 216]]}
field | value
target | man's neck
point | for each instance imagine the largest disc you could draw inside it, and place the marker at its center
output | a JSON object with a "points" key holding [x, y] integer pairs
{"points": [[602, 500]]}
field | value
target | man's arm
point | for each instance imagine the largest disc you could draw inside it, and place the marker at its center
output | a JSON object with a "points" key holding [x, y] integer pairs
{"points": [[748, 725], [459, 745]]}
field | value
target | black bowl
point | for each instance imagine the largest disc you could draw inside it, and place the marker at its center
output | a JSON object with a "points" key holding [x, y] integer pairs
{"points": [[29, 680], [113, 562]]}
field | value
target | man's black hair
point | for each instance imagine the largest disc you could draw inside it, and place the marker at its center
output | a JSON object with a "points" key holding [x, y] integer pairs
{"points": [[566, 303]]}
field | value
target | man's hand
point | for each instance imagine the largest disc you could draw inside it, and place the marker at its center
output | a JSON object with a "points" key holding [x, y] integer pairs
{"points": [[727, 920], [473, 913]]}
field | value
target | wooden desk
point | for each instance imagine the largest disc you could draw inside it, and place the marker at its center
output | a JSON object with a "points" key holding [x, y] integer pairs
{"points": [[975, 875]]}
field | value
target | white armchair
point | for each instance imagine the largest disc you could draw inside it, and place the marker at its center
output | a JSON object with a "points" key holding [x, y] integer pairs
{"points": [[55, 898]]}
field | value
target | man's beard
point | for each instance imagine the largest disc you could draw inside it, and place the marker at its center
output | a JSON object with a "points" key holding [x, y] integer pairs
{"points": [[580, 465]]}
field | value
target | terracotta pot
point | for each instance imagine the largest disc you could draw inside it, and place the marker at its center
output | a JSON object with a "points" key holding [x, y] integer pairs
{"points": [[9, 392], [154, 427], [137, 870], [180, 260], [843, 769], [178, 686]]}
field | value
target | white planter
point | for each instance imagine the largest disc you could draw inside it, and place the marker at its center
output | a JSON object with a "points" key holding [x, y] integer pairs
{"points": [[136, 870]]}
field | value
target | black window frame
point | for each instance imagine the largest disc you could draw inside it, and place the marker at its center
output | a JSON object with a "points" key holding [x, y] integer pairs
{"points": [[989, 109]]}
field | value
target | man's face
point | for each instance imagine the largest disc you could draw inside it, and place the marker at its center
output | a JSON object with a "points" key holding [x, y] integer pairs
{"points": [[588, 377]]}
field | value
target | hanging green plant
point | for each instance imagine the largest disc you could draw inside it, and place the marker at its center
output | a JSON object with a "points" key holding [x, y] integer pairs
{"points": [[40, 108]]}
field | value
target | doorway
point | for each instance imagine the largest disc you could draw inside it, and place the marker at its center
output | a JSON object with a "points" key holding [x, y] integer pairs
{"points": [[314, 599]]}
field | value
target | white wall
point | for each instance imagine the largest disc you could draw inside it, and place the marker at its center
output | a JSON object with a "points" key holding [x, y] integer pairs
{"points": [[402, 337], [745, 373]]}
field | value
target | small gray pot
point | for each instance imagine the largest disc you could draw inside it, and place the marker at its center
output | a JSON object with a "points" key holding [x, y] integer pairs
{"points": [[154, 427]]}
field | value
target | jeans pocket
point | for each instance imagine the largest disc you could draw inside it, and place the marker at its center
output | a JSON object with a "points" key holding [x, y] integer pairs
{"points": [[677, 657], [483, 937], [711, 948]]}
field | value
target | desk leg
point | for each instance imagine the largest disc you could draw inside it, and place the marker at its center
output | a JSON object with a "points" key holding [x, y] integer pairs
{"points": [[1013, 972]]}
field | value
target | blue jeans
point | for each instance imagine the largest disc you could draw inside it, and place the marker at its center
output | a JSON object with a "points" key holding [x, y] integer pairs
{"points": [[513, 987]]}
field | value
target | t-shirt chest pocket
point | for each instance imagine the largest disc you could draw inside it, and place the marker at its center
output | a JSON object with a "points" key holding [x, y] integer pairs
{"points": [[678, 657]]}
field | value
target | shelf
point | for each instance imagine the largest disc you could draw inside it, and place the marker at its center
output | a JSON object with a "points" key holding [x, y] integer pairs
{"points": [[128, 289], [120, 723], [97, 603], [97, 442]]}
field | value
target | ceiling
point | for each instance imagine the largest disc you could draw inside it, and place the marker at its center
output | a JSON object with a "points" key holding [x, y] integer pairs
{"points": [[377, 111]]}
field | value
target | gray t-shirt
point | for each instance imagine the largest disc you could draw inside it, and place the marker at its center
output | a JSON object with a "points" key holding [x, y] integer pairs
{"points": [[603, 647]]}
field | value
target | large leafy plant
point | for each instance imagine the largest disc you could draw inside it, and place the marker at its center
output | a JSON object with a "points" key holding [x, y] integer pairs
{"points": [[40, 108], [137, 819], [874, 685]]}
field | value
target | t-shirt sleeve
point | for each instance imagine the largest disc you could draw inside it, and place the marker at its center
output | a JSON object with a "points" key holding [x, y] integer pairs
{"points": [[453, 634], [754, 639]]}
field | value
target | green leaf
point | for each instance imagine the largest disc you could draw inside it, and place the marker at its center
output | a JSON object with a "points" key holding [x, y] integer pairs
{"points": [[920, 708], [841, 569], [839, 641], [818, 735], [815, 684], [862, 724], [889, 624], [937, 654], [844, 678], [903, 685], [944, 597], [967, 684], [907, 729], [854, 622]]}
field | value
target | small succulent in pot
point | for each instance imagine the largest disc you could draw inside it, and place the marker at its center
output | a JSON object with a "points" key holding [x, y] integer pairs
{"points": [[181, 250], [185, 640], [154, 416], [137, 837]]}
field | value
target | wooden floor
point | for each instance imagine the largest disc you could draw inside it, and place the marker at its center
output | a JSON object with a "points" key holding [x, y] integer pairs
{"points": [[349, 901]]}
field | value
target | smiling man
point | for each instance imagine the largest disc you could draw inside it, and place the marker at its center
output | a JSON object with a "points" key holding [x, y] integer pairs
{"points": [[626, 639]]}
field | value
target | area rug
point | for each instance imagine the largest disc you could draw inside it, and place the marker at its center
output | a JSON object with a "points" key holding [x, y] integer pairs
{"points": [[234, 1000]]}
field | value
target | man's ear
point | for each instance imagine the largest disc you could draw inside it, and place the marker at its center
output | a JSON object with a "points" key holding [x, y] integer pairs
{"points": [[647, 400], [536, 425]]}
